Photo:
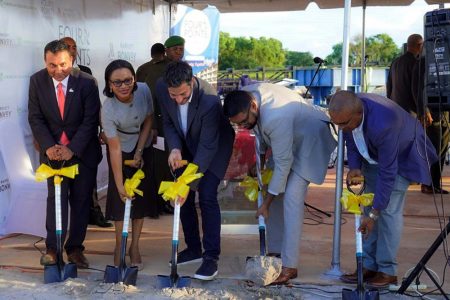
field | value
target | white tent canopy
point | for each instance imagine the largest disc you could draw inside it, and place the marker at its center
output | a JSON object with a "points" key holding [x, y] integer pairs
{"points": [[229, 6]]}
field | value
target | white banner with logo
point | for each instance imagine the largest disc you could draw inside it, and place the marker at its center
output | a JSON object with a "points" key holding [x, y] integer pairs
{"points": [[104, 30]]}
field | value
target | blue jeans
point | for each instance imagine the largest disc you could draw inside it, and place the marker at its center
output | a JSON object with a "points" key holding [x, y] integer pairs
{"points": [[381, 246], [211, 219]]}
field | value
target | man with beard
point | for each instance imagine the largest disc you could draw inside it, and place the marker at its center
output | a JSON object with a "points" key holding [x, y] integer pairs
{"points": [[299, 136]]}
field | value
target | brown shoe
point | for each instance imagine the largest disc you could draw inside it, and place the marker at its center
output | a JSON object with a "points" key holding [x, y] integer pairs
{"points": [[427, 189], [381, 280], [49, 258], [274, 254], [285, 275], [353, 277], [77, 257]]}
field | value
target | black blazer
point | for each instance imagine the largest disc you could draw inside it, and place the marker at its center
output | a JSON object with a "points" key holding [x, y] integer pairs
{"points": [[81, 115], [85, 69], [209, 138]]}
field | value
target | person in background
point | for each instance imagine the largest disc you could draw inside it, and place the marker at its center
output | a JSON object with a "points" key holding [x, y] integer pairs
{"points": [[299, 136], [436, 123], [63, 112], [196, 130], [73, 51], [387, 146], [96, 216], [174, 48], [126, 116], [149, 73]]}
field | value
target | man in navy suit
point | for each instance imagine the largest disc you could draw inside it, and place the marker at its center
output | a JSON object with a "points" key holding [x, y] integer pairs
{"points": [[389, 147], [63, 112], [196, 130]]}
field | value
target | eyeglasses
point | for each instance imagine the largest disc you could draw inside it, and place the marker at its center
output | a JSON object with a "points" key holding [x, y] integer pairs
{"points": [[245, 121], [343, 124], [118, 83]]}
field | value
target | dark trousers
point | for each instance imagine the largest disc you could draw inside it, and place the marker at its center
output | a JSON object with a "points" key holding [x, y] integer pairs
{"points": [[77, 193], [159, 172], [440, 140], [210, 212]]}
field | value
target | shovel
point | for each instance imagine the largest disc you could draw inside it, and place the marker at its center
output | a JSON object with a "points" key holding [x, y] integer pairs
{"points": [[122, 273], [360, 293], [59, 272], [127, 275], [174, 280]]}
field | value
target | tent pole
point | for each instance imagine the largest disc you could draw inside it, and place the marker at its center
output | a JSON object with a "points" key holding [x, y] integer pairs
{"points": [[363, 50], [335, 270]]}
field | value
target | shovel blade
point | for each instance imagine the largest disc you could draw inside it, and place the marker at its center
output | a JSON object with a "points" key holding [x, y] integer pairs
{"points": [[348, 294], [112, 274], [53, 273], [130, 275], [173, 282]]}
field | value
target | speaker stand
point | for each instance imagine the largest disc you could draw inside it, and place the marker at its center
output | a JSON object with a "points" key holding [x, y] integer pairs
{"points": [[422, 264]]}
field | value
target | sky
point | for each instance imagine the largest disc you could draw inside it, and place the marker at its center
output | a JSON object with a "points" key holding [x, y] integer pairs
{"points": [[317, 30]]}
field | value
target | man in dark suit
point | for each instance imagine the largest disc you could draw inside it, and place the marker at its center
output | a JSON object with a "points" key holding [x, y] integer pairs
{"points": [[196, 130], [96, 216], [399, 83], [389, 148], [63, 112]]}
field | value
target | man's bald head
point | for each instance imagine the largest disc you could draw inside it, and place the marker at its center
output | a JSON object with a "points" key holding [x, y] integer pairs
{"points": [[346, 110], [414, 44], [72, 45]]}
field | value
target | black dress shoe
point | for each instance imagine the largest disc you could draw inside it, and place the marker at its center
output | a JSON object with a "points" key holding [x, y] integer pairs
{"points": [[96, 218], [168, 209], [427, 189]]}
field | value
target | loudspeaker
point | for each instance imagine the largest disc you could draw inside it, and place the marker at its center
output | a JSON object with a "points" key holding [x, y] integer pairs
{"points": [[437, 58]]}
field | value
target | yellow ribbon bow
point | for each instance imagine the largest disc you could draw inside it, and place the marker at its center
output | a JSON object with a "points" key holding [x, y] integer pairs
{"points": [[351, 202], [45, 171], [171, 190], [132, 183], [251, 184]]}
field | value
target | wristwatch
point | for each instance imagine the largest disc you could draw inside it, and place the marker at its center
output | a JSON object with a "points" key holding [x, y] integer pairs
{"points": [[373, 215]]}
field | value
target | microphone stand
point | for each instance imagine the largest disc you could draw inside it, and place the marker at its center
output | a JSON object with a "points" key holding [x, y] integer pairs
{"points": [[306, 94], [314, 76]]}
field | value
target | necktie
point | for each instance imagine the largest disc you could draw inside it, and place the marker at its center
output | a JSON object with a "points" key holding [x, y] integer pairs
{"points": [[61, 101]]}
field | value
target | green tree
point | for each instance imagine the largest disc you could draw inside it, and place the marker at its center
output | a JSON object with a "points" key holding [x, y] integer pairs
{"points": [[380, 49], [302, 59], [335, 58], [246, 53]]}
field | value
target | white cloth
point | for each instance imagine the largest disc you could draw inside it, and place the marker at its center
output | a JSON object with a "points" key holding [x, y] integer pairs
{"points": [[184, 114], [360, 143], [64, 82]]}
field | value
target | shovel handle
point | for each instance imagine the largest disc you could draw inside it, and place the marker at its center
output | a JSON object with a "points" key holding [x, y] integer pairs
{"points": [[57, 183], [126, 217], [128, 162]]}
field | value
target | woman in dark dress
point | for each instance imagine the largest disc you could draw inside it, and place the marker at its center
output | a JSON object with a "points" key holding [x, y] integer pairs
{"points": [[126, 115]]}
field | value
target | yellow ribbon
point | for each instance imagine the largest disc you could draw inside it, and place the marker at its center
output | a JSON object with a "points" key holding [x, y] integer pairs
{"points": [[351, 202], [44, 172], [171, 190], [251, 184], [132, 183]]}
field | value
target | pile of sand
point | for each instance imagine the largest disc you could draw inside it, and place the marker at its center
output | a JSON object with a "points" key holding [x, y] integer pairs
{"points": [[263, 270]]}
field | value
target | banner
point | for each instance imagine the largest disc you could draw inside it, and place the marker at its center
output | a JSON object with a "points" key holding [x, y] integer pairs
{"points": [[104, 31], [200, 29]]}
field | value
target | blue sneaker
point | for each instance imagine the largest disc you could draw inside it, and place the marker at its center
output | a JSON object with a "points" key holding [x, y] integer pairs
{"points": [[207, 271], [187, 257]]}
